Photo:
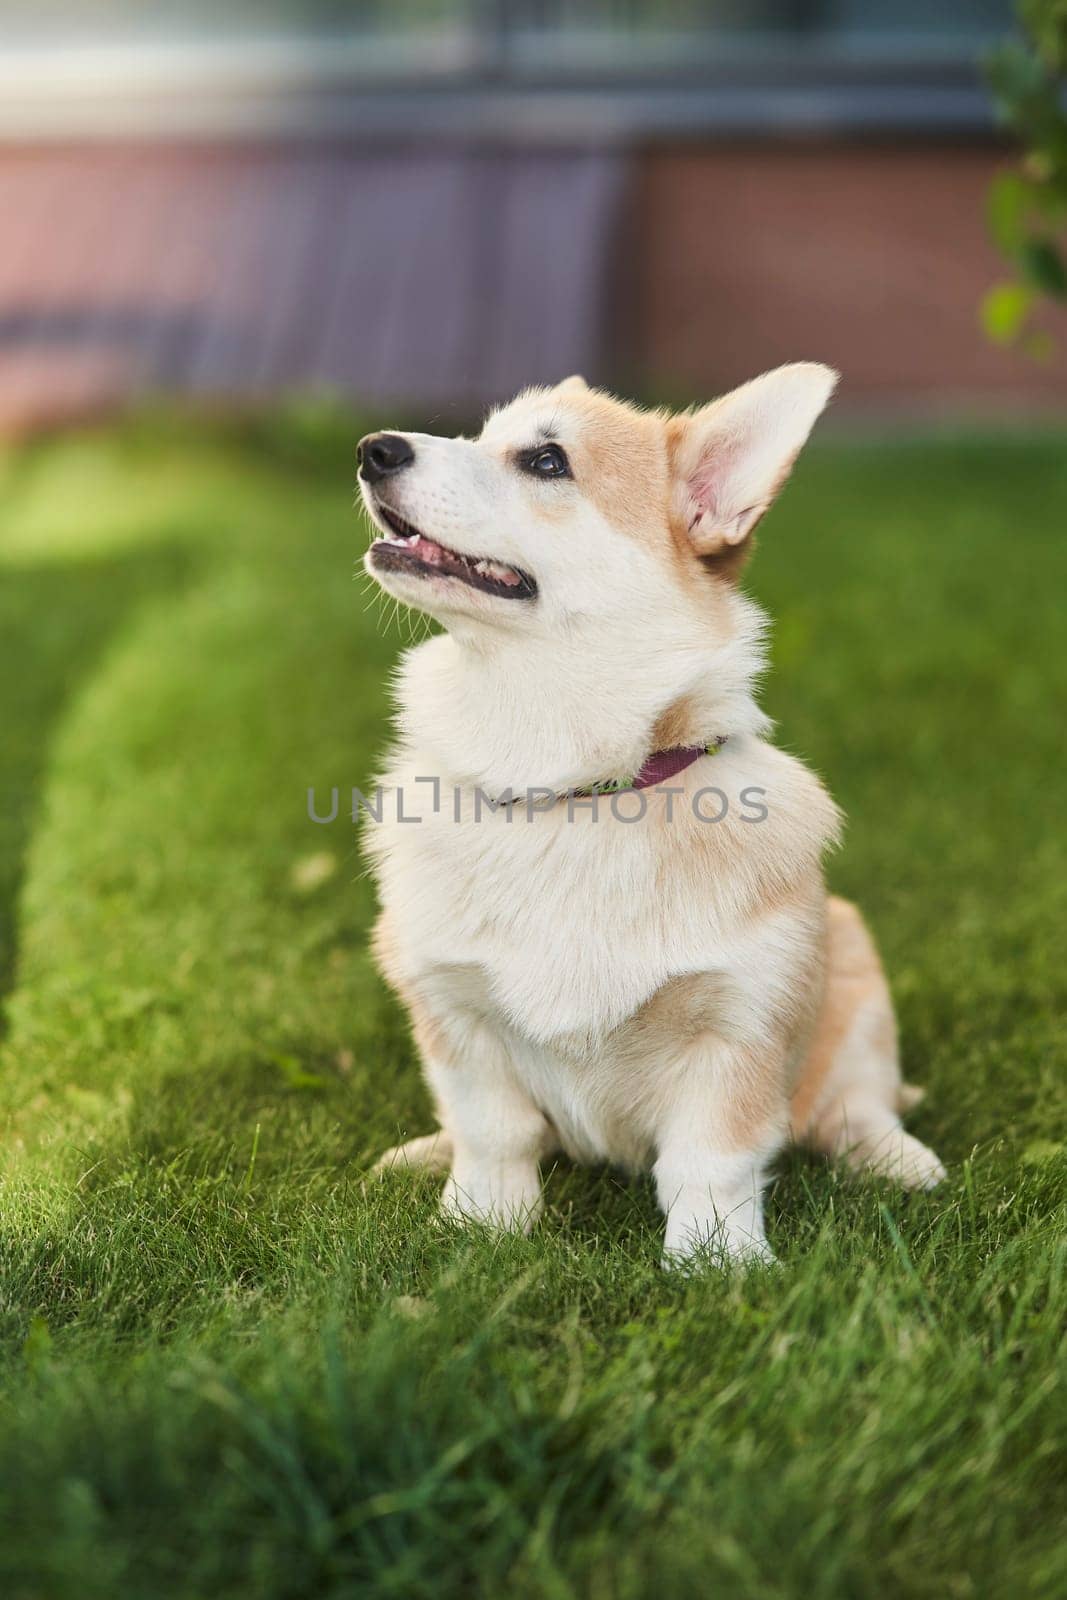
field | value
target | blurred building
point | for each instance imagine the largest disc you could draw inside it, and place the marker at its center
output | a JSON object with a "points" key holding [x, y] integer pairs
{"points": [[429, 204]]}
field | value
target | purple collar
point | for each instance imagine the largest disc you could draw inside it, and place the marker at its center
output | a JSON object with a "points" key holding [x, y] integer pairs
{"points": [[660, 766]]}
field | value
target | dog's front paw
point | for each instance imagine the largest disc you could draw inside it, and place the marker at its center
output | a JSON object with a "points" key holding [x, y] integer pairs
{"points": [[699, 1245], [501, 1195], [716, 1255]]}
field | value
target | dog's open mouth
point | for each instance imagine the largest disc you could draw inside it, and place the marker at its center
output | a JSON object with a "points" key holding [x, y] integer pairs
{"points": [[405, 549]]}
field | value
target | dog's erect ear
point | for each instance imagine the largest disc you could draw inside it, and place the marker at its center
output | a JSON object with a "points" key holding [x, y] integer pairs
{"points": [[730, 458], [572, 385]]}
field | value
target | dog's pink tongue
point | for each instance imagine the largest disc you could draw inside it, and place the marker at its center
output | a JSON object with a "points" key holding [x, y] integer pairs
{"points": [[451, 562]]}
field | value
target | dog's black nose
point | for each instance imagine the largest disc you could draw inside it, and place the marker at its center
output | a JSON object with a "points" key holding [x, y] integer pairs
{"points": [[382, 454]]}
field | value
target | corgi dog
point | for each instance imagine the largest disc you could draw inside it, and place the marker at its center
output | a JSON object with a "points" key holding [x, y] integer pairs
{"points": [[601, 886]]}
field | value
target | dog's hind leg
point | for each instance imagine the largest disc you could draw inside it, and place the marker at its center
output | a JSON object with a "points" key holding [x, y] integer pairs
{"points": [[433, 1151], [849, 1096]]}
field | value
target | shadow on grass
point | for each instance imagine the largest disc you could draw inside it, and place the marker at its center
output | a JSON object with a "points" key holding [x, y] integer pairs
{"points": [[55, 623]]}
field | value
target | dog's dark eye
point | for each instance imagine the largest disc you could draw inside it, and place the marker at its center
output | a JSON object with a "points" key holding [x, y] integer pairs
{"points": [[547, 462]]}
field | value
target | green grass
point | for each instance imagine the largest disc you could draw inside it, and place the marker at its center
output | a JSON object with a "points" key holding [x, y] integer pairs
{"points": [[229, 1368]]}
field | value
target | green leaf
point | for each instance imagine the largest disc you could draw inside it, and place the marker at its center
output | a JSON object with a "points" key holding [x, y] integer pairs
{"points": [[1010, 198], [1017, 79], [1042, 266], [1029, 99], [1046, 23], [1004, 311]]}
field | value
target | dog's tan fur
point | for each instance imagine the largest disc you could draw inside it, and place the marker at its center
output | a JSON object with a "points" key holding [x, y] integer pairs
{"points": [[671, 994]]}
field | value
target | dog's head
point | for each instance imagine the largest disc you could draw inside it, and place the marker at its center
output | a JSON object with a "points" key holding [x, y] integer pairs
{"points": [[573, 505]]}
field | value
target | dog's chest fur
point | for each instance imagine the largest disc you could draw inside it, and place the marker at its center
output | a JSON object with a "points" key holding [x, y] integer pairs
{"points": [[564, 929]]}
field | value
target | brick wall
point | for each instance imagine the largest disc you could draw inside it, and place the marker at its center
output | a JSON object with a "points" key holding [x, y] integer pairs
{"points": [[871, 258]]}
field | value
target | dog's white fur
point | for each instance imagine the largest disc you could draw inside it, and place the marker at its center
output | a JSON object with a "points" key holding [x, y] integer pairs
{"points": [[670, 993]]}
